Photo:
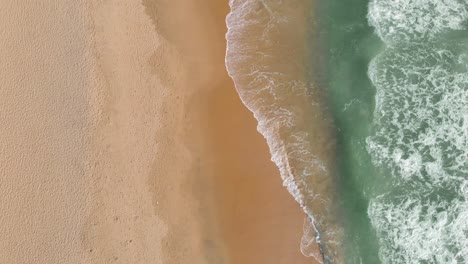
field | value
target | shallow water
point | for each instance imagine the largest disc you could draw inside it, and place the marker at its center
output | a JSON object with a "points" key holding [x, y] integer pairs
{"points": [[369, 126], [349, 44]]}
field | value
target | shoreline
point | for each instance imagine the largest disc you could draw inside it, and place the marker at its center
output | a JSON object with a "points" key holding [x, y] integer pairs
{"points": [[272, 78], [140, 150], [236, 154]]}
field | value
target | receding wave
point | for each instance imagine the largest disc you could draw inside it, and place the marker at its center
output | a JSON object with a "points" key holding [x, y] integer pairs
{"points": [[267, 58], [421, 131]]}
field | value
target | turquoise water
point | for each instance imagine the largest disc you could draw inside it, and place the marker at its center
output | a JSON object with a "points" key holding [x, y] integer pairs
{"points": [[373, 141], [350, 44], [397, 84]]}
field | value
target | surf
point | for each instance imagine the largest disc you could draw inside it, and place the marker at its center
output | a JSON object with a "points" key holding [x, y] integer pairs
{"points": [[268, 59], [420, 139]]}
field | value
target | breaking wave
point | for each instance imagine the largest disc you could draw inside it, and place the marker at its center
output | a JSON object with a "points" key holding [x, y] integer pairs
{"points": [[421, 131]]}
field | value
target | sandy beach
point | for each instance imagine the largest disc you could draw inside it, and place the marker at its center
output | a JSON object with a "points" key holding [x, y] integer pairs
{"points": [[126, 142], [44, 140]]}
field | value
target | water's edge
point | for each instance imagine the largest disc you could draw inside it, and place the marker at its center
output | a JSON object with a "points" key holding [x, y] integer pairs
{"points": [[267, 62]]}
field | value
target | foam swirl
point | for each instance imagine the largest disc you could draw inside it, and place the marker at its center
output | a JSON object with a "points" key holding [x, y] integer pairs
{"points": [[421, 131]]}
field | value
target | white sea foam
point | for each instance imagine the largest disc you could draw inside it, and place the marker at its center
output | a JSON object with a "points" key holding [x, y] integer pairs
{"points": [[418, 230], [266, 73], [421, 132], [421, 113], [409, 20]]}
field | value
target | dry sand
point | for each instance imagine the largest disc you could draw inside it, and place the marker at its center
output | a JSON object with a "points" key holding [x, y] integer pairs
{"points": [[44, 117], [125, 141]]}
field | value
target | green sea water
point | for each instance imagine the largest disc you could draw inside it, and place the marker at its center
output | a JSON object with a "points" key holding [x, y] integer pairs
{"points": [[349, 44], [396, 76]]}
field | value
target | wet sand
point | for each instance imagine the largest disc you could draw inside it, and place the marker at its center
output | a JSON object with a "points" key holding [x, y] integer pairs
{"points": [[129, 144], [261, 221]]}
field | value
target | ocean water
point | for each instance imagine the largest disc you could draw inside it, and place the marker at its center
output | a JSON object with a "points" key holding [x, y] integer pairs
{"points": [[368, 125], [349, 44], [420, 135]]}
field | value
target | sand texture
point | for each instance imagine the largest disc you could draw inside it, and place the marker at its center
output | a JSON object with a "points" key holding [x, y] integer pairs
{"points": [[124, 140], [44, 139]]}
